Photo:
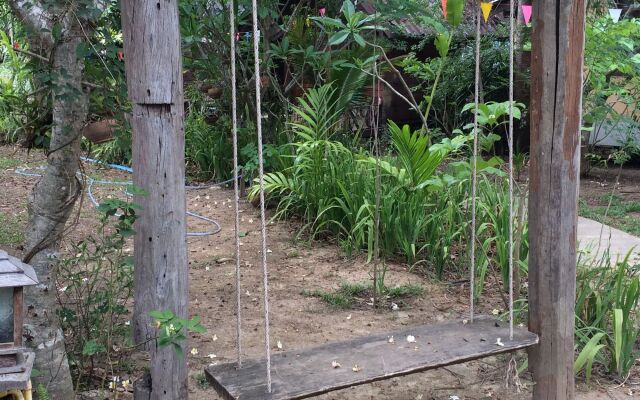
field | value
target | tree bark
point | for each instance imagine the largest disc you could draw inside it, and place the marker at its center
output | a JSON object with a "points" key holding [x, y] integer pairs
{"points": [[556, 90], [151, 33], [50, 206], [53, 197]]}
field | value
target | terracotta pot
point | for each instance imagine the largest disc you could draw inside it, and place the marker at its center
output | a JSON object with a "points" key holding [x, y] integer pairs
{"points": [[215, 92], [299, 91], [370, 91], [100, 131], [265, 81]]}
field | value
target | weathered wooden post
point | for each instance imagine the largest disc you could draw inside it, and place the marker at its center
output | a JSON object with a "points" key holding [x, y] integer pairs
{"points": [[556, 89], [154, 80]]}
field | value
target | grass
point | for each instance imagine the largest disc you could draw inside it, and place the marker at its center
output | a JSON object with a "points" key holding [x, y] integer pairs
{"points": [[201, 381], [6, 162], [620, 215], [11, 230], [348, 293]]}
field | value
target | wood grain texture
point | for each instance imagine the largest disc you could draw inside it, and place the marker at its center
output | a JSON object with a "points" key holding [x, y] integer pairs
{"points": [[20, 380], [556, 89], [18, 315], [309, 372], [152, 51], [154, 77]]}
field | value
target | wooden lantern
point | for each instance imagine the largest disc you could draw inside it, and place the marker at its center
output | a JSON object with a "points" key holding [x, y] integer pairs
{"points": [[14, 276]]}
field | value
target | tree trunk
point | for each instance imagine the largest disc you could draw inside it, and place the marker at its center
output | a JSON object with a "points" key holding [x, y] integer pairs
{"points": [[50, 206], [556, 93], [151, 33]]}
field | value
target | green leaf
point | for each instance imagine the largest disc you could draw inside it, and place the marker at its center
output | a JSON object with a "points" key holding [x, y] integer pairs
{"points": [[455, 11], [92, 347], [338, 37], [348, 9], [442, 44], [359, 39], [618, 336]]}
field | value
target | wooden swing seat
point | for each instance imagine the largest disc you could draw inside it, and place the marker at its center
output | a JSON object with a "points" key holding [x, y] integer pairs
{"points": [[309, 372]]}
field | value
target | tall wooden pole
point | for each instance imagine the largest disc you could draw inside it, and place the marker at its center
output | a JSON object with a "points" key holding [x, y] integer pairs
{"points": [[154, 79], [556, 88]]}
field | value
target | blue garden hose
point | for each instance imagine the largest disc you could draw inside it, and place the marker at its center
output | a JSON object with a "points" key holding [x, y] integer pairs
{"points": [[91, 182]]}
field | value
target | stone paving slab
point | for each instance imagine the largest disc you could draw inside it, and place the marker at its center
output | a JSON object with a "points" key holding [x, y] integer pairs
{"points": [[619, 243]]}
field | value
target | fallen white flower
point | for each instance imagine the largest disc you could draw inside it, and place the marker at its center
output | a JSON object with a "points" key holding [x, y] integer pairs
{"points": [[335, 364], [499, 342], [411, 339]]}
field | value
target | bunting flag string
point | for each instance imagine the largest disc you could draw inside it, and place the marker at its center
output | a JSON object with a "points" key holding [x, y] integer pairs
{"points": [[615, 14], [486, 10], [527, 10]]}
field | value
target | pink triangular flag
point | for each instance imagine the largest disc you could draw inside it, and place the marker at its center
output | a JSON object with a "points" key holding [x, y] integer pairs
{"points": [[526, 12], [615, 14], [444, 7]]}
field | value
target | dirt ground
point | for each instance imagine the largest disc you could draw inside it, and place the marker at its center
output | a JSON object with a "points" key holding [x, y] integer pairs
{"points": [[298, 321]]}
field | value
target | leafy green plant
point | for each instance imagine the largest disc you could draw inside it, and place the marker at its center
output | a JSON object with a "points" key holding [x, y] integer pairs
{"points": [[356, 24], [172, 330], [95, 286], [349, 294], [607, 300], [588, 354]]}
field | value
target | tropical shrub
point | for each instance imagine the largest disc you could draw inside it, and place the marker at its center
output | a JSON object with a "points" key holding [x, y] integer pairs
{"points": [[607, 303]]}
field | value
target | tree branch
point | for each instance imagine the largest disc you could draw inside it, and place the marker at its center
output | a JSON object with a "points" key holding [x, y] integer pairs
{"points": [[34, 15]]}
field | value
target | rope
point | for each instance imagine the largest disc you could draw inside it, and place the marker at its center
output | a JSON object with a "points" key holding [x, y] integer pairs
{"points": [[236, 189], [265, 276], [375, 122], [474, 173], [510, 139]]}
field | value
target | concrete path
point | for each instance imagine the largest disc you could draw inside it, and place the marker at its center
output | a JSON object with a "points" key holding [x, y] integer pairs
{"points": [[617, 241]]}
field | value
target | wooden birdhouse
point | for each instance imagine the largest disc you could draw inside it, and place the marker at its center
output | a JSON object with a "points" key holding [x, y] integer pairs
{"points": [[14, 276]]}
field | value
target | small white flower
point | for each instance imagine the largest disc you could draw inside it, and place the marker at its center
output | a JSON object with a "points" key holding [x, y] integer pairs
{"points": [[394, 306], [335, 364], [194, 351], [251, 221], [127, 323], [279, 344], [207, 268], [495, 311], [453, 397], [356, 368], [126, 383], [63, 289], [465, 321], [215, 337], [269, 251], [499, 342], [391, 340], [85, 279], [348, 317], [212, 356], [411, 339]]}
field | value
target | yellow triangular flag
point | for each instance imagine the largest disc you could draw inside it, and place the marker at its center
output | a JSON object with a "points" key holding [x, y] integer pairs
{"points": [[486, 10]]}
